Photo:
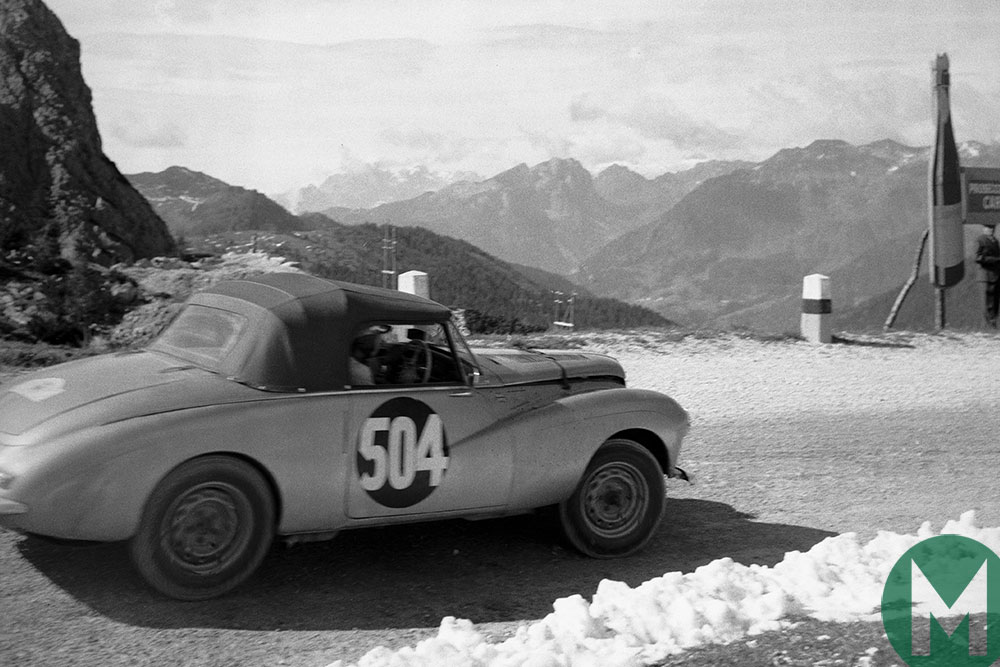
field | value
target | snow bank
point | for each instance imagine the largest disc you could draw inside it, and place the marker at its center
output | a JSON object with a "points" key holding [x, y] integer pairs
{"points": [[838, 579]]}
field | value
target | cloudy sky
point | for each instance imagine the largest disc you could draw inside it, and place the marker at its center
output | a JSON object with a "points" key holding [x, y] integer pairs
{"points": [[276, 94]]}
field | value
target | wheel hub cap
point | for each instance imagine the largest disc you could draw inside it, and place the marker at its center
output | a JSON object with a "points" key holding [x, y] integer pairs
{"points": [[615, 499], [204, 527]]}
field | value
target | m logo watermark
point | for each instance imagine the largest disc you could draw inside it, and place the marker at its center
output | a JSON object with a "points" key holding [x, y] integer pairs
{"points": [[929, 597]]}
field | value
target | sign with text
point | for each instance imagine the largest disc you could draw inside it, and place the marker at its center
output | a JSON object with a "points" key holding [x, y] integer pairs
{"points": [[981, 203]]}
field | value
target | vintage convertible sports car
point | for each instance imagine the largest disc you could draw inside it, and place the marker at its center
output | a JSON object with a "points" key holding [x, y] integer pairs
{"points": [[288, 405]]}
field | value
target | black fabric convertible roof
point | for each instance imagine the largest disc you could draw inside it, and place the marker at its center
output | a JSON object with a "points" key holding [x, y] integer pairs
{"points": [[302, 326]]}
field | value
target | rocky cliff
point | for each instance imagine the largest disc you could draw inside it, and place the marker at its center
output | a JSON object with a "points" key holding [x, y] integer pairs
{"points": [[55, 181]]}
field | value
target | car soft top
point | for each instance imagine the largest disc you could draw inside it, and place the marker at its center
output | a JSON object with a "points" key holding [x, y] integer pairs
{"points": [[298, 324]]}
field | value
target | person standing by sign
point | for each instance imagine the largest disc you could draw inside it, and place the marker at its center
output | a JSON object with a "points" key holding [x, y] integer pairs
{"points": [[988, 259]]}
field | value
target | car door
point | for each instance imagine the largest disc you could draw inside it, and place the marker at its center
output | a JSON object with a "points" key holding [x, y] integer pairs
{"points": [[425, 448]]}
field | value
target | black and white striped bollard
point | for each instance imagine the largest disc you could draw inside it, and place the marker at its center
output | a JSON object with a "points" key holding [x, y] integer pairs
{"points": [[816, 309]]}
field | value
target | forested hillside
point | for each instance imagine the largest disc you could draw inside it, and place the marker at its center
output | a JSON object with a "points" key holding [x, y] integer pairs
{"points": [[497, 297]]}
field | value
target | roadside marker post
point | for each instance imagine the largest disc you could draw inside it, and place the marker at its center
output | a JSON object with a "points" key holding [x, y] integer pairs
{"points": [[415, 282], [816, 309]]}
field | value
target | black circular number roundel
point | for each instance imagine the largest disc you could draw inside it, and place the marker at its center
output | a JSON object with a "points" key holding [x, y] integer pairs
{"points": [[402, 453]]}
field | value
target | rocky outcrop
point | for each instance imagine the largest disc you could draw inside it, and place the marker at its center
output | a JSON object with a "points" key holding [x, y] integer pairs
{"points": [[55, 180]]}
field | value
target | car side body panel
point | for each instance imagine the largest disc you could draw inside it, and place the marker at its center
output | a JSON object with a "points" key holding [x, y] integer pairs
{"points": [[306, 446]]}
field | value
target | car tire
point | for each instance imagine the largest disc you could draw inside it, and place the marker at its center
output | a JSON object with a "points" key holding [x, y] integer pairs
{"points": [[618, 504], [205, 528]]}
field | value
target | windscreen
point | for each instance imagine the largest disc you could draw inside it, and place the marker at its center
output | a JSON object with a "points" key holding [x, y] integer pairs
{"points": [[202, 335]]}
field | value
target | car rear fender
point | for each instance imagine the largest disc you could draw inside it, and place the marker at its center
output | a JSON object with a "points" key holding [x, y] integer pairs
{"points": [[114, 510], [553, 445], [93, 484]]}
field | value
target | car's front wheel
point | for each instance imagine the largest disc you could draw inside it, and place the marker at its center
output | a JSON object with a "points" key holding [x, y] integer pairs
{"points": [[618, 503], [206, 527]]}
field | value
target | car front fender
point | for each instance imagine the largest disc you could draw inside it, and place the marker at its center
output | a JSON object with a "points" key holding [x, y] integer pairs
{"points": [[554, 444]]}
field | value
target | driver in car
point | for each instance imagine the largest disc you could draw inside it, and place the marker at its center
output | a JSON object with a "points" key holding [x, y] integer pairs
{"points": [[363, 351]]}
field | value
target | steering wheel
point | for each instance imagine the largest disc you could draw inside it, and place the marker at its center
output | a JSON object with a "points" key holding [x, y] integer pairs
{"points": [[417, 359]]}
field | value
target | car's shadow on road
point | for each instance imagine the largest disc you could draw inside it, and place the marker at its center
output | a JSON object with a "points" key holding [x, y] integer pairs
{"points": [[412, 576]]}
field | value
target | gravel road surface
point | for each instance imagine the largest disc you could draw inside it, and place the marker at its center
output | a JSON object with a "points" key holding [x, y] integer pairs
{"points": [[791, 443]]}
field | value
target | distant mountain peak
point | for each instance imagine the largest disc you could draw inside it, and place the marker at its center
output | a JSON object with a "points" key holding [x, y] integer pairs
{"points": [[620, 171], [828, 145], [817, 150], [560, 164], [892, 151], [368, 186], [193, 203], [562, 173], [175, 181]]}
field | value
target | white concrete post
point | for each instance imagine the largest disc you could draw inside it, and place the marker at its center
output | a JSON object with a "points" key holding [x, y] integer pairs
{"points": [[415, 282], [816, 309]]}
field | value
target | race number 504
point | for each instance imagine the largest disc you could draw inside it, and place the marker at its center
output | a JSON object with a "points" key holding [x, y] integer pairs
{"points": [[406, 452]]}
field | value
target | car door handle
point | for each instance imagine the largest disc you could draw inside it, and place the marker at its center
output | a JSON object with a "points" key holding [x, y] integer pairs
{"points": [[458, 394]]}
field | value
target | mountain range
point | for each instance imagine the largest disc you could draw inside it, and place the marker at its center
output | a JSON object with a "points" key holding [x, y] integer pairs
{"points": [[215, 217], [736, 248], [367, 186], [552, 215], [723, 243]]}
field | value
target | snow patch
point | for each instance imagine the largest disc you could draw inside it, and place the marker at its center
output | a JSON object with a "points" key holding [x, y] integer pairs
{"points": [[838, 579]]}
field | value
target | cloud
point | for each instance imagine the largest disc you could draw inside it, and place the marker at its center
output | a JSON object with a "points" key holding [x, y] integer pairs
{"points": [[583, 109], [268, 90], [660, 119], [185, 12], [657, 118], [822, 104], [417, 138], [137, 132], [428, 145]]}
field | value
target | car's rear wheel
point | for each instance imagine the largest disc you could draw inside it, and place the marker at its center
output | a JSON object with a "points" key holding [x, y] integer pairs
{"points": [[618, 504], [206, 527]]}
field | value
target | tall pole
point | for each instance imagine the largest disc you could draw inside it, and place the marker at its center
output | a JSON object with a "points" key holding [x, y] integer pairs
{"points": [[947, 239], [389, 257]]}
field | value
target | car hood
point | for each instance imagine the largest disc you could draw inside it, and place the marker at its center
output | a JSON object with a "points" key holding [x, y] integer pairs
{"points": [[124, 384], [532, 366]]}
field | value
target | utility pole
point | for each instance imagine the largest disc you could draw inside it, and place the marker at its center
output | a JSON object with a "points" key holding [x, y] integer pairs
{"points": [[389, 257], [567, 319]]}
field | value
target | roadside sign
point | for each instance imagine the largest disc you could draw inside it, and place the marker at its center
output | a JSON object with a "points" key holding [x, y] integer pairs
{"points": [[981, 203]]}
